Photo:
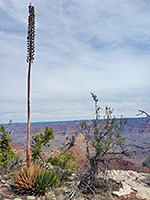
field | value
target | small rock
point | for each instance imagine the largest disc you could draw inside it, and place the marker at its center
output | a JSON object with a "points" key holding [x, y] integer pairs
{"points": [[42, 198], [66, 189], [7, 199], [30, 197], [17, 199], [3, 181], [1, 194], [60, 197], [6, 185], [126, 189], [50, 196], [5, 176]]}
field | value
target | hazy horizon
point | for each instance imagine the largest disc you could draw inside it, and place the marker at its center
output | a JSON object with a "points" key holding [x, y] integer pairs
{"points": [[73, 120]]}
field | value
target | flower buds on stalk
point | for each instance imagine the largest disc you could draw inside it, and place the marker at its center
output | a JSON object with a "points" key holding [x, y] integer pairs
{"points": [[31, 34]]}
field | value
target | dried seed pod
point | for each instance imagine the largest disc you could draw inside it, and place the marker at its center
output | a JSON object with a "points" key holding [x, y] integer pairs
{"points": [[31, 34]]}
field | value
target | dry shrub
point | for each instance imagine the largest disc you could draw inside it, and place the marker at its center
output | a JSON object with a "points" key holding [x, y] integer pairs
{"points": [[26, 178]]}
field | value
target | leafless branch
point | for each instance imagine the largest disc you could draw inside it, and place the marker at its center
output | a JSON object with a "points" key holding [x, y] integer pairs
{"points": [[88, 187], [72, 193], [143, 112]]}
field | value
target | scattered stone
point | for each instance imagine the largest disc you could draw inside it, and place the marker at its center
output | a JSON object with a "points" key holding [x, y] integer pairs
{"points": [[72, 177], [40, 198], [50, 196], [6, 185], [30, 197], [7, 199], [17, 199], [126, 189], [60, 197], [65, 189], [1, 194], [3, 181]]}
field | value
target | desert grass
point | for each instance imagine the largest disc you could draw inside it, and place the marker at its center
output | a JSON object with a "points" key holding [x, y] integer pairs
{"points": [[26, 178]]}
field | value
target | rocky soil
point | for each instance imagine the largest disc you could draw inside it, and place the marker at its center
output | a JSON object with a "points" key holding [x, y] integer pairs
{"points": [[135, 186], [8, 193], [132, 182]]}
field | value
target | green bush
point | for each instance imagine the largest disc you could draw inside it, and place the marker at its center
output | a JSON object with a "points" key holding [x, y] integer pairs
{"points": [[63, 175], [66, 160], [35, 180], [65, 164], [41, 140], [46, 180], [6, 153], [55, 161]]}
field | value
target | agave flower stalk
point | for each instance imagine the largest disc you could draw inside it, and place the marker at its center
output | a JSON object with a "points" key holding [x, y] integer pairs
{"points": [[30, 58]]}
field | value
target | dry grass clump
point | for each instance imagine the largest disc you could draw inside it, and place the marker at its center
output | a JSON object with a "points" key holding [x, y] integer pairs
{"points": [[26, 178]]}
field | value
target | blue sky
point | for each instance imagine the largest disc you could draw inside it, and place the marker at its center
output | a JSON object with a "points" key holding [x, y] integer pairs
{"points": [[100, 46]]}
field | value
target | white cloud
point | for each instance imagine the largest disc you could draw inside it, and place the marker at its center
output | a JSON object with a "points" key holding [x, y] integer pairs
{"points": [[81, 46]]}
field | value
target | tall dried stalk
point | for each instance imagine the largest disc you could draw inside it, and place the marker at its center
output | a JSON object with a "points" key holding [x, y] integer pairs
{"points": [[30, 58]]}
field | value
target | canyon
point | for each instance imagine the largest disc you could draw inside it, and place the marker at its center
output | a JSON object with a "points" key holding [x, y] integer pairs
{"points": [[136, 132]]}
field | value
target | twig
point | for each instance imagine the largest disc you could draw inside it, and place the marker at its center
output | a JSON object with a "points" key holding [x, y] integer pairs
{"points": [[88, 187], [72, 193], [143, 112], [68, 195]]}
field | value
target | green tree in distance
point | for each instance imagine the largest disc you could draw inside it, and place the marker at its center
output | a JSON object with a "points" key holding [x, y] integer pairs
{"points": [[41, 140], [6, 153], [66, 160], [65, 164]]}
